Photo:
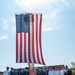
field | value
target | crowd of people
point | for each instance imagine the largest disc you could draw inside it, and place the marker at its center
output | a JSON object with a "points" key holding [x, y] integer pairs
{"points": [[63, 70]]}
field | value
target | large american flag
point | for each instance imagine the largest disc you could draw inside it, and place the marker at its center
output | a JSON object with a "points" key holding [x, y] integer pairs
{"points": [[28, 38]]}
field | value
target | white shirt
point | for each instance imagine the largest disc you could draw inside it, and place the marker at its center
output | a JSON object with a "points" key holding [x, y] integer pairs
{"points": [[54, 72], [6, 73], [65, 70], [58, 72], [50, 72], [62, 72]]}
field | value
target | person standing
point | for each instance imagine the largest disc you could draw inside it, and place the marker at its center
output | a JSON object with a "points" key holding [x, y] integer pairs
{"points": [[16, 72], [50, 72], [40, 71], [45, 71], [12, 71], [26, 71], [62, 70], [68, 71], [32, 72], [6, 72]]}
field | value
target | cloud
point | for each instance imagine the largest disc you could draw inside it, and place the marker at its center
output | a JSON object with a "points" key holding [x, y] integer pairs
{"points": [[4, 37], [40, 6], [46, 28], [50, 21], [4, 24], [68, 3], [50, 18], [12, 20], [14, 29], [7, 23], [32, 4]]}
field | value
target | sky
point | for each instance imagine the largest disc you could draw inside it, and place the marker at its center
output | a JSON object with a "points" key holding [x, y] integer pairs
{"points": [[58, 32]]}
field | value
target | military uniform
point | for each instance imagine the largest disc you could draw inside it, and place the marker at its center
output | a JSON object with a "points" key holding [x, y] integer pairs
{"points": [[20, 73], [40, 73], [12, 73], [25, 73]]}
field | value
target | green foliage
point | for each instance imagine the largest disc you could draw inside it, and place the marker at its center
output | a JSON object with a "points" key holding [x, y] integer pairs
{"points": [[72, 63]]}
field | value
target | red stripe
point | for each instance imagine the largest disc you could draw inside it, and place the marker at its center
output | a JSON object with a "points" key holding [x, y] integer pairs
{"points": [[40, 33], [37, 39], [16, 47], [25, 47], [33, 51], [29, 48], [20, 47]]}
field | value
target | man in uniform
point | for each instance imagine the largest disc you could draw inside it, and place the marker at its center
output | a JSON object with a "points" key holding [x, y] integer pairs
{"points": [[20, 72], [26, 71], [40, 71], [46, 71], [68, 71], [12, 71]]}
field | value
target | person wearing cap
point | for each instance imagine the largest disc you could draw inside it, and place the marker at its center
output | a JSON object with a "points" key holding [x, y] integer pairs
{"points": [[6, 72]]}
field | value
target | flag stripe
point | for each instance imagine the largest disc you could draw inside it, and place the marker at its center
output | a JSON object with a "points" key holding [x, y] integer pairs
{"points": [[31, 56], [33, 51], [27, 52], [20, 47], [29, 48], [25, 47], [16, 47], [40, 33], [28, 39], [37, 38]]}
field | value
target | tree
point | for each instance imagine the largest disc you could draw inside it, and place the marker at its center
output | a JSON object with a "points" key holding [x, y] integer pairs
{"points": [[72, 64]]}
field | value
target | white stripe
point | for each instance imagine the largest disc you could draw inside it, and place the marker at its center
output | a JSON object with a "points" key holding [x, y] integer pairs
{"points": [[18, 47], [38, 40], [27, 58], [31, 39], [22, 47], [35, 38]]}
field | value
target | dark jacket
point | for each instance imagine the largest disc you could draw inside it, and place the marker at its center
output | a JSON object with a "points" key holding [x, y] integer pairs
{"points": [[68, 72]]}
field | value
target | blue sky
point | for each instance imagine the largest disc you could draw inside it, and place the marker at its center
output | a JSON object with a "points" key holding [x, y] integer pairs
{"points": [[58, 32]]}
